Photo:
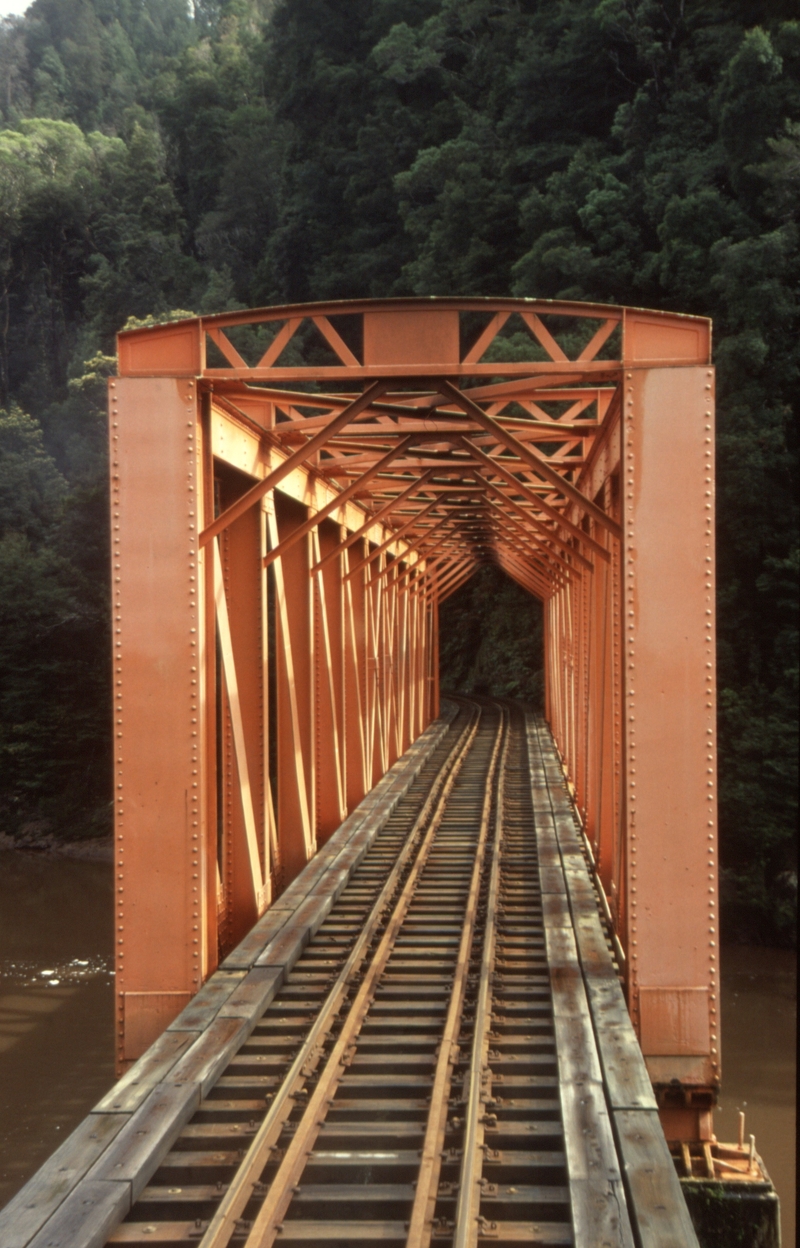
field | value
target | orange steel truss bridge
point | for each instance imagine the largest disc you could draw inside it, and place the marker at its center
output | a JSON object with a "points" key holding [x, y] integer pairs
{"points": [[294, 493]]}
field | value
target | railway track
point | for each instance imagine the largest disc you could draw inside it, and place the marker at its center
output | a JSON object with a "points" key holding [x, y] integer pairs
{"points": [[402, 1087], [424, 1041]]}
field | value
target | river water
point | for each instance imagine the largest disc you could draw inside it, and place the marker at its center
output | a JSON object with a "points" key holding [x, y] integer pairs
{"points": [[56, 1010]]}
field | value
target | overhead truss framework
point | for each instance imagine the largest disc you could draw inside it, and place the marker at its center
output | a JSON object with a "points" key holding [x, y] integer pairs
{"points": [[295, 491]]}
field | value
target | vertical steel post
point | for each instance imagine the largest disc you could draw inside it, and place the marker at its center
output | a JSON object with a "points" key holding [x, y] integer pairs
{"points": [[294, 658], [669, 748], [329, 686], [242, 555], [160, 760], [356, 725]]}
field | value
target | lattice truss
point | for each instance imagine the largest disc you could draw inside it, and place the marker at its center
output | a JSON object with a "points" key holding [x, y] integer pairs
{"points": [[459, 474], [321, 478]]}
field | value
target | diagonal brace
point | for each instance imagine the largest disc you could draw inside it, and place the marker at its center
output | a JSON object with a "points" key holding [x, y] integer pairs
{"points": [[269, 482], [528, 456], [341, 498]]}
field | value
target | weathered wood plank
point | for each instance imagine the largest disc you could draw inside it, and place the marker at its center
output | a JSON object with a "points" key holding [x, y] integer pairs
{"points": [[546, 839], [627, 1083], [210, 1054], [254, 993], [578, 1061], [569, 993], [206, 1004], [86, 1217], [600, 1214], [335, 881], [593, 948], [549, 855], [312, 873], [153, 1066], [576, 872], [657, 1204], [290, 942], [562, 950], [30, 1209], [599, 1208], [148, 1135], [257, 939], [551, 880], [355, 851], [572, 851], [626, 1079], [597, 1195], [555, 910]]}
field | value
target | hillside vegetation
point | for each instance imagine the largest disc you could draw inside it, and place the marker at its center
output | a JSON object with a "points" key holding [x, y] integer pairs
{"points": [[245, 152]]}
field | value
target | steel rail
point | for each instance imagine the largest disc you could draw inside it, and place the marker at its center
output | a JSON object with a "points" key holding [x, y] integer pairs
{"points": [[424, 1067], [210, 1146], [265, 1225], [393, 1119], [422, 1212], [465, 1234], [537, 1202], [224, 1223]]}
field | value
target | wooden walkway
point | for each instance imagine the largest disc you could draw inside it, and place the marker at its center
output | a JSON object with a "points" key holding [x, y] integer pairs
{"points": [[424, 1041]]}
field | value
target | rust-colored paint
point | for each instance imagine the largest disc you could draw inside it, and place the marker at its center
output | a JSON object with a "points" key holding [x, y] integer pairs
{"points": [[329, 691], [294, 642], [395, 337], [254, 712], [241, 547], [670, 722], [158, 634]]}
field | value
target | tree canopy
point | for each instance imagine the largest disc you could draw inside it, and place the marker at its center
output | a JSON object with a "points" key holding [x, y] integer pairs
{"points": [[244, 152]]}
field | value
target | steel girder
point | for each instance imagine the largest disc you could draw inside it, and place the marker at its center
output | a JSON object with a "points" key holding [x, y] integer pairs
{"points": [[295, 490]]}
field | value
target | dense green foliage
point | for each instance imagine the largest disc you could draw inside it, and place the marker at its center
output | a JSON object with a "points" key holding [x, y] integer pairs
{"points": [[253, 151], [491, 639]]}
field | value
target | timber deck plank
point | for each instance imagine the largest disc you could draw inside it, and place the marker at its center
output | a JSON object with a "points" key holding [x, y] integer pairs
{"points": [[28, 1211], [655, 1204], [135, 1153], [151, 1068], [86, 1217], [662, 1218]]}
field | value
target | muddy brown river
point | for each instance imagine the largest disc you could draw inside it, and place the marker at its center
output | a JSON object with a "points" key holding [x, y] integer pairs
{"points": [[56, 998]]}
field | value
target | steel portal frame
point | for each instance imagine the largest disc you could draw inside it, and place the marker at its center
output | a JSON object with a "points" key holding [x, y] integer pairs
{"points": [[295, 490]]}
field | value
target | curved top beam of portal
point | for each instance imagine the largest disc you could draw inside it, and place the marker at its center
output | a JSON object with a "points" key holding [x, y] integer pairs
{"points": [[402, 338]]}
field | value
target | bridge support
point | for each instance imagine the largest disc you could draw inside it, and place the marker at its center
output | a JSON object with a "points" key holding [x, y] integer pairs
{"points": [[161, 756], [631, 695], [669, 733], [284, 533], [254, 706]]}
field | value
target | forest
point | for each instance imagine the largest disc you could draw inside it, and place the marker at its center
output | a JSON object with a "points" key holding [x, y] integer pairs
{"points": [[156, 157]]}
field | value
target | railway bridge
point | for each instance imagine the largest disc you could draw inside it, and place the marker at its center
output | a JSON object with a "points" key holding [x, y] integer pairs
{"points": [[390, 968]]}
